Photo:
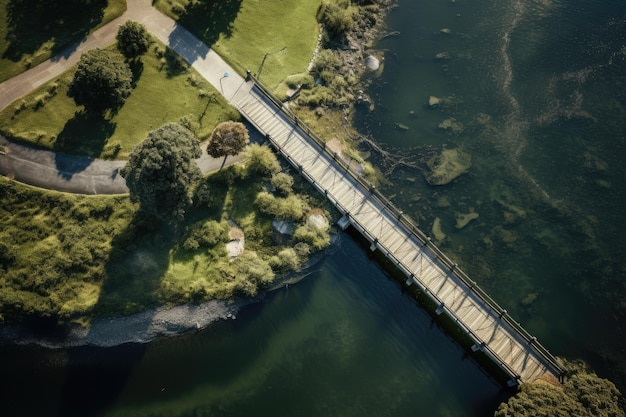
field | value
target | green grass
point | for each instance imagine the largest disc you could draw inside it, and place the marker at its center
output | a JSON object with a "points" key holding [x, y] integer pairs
{"points": [[243, 31], [49, 118], [71, 257], [32, 31]]}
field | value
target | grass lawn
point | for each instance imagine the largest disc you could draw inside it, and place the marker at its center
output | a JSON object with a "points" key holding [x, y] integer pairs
{"points": [[243, 31], [33, 31], [166, 90]]}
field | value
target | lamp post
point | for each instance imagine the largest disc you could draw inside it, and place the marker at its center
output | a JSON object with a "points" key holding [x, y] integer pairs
{"points": [[265, 55], [226, 74]]}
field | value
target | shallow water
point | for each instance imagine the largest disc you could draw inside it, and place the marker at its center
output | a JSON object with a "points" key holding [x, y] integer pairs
{"points": [[537, 89]]}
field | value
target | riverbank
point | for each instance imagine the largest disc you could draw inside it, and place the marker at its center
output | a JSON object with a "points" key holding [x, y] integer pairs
{"points": [[151, 324]]}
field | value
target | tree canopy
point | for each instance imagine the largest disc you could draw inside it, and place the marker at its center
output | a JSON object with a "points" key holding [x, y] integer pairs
{"points": [[160, 171], [133, 39], [228, 138], [584, 394], [102, 80]]}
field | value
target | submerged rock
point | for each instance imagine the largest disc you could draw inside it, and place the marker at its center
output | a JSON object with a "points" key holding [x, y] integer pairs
{"points": [[434, 101], [447, 166], [463, 219], [438, 234], [451, 124]]}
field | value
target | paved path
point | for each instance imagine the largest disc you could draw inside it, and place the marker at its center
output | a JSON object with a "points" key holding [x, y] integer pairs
{"points": [[82, 175]]}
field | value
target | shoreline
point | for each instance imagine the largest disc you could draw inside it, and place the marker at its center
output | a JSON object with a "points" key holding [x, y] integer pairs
{"points": [[152, 324]]}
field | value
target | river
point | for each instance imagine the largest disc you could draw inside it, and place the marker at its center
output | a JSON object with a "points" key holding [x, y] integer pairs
{"points": [[536, 90]]}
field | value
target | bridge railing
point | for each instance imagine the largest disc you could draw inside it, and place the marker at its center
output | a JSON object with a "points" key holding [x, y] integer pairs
{"points": [[394, 212]]}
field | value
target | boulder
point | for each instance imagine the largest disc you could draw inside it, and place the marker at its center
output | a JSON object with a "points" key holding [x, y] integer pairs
{"points": [[434, 101], [318, 221], [283, 231], [372, 63]]}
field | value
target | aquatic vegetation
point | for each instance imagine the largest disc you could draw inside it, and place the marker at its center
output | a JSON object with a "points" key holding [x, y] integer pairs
{"points": [[447, 166]]}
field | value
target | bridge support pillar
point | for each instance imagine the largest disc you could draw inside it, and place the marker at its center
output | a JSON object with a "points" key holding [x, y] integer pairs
{"points": [[478, 346], [344, 222]]}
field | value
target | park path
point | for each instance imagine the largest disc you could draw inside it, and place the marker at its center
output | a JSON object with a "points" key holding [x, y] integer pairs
{"points": [[83, 175]]}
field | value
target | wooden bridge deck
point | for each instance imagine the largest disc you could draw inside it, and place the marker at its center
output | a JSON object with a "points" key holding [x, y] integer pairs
{"points": [[510, 347]]}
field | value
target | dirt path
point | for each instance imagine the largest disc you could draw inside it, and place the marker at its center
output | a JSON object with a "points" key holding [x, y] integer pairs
{"points": [[83, 175]]}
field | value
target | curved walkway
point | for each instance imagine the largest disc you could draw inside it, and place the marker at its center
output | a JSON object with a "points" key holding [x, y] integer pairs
{"points": [[83, 175]]}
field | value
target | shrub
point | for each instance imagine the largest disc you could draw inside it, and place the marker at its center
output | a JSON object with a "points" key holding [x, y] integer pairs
{"points": [[283, 183], [288, 208], [337, 17], [261, 160], [286, 260], [206, 234], [303, 80], [251, 272], [316, 238]]}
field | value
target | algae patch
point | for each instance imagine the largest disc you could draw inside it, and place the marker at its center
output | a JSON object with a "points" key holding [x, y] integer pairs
{"points": [[438, 234], [447, 166], [463, 219]]}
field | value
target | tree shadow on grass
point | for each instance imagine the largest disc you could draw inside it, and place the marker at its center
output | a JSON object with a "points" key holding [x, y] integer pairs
{"points": [[85, 134], [136, 68], [32, 23], [208, 19], [138, 261]]}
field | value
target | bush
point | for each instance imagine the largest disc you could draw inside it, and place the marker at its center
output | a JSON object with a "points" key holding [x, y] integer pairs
{"points": [[286, 260], [206, 234], [304, 80], [337, 17], [288, 208], [326, 60], [283, 183], [251, 272], [261, 160], [316, 238]]}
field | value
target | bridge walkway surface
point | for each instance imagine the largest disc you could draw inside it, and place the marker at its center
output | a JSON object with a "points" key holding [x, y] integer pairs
{"points": [[492, 331]]}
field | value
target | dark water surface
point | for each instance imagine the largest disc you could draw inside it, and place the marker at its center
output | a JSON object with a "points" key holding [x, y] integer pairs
{"points": [[537, 91], [343, 342]]}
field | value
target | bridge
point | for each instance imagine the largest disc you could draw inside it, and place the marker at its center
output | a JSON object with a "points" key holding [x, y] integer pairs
{"points": [[491, 330]]}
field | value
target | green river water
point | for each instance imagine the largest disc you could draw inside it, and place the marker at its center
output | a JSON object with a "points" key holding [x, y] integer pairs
{"points": [[537, 91]]}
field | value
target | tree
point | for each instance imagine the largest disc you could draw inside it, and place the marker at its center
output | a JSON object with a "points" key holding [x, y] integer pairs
{"points": [[102, 80], [228, 138], [584, 394], [133, 39], [160, 171]]}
